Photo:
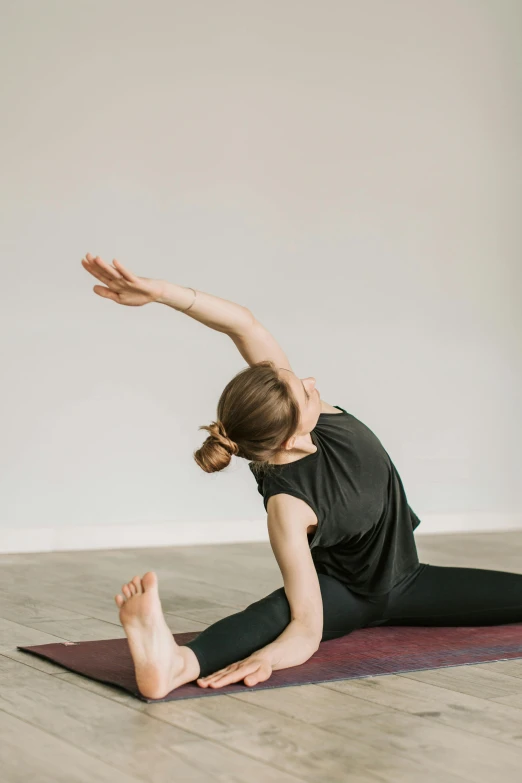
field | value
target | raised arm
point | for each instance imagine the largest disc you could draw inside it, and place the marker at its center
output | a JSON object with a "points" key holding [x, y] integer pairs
{"points": [[126, 288], [253, 341], [219, 314]]}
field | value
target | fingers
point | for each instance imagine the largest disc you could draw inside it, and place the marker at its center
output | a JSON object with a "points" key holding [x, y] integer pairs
{"points": [[105, 272], [230, 675], [94, 271], [102, 267], [219, 673], [97, 271], [124, 272], [247, 673], [106, 293]]}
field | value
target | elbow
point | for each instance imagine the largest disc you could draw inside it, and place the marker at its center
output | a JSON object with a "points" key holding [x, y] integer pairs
{"points": [[314, 644], [315, 639], [312, 635]]}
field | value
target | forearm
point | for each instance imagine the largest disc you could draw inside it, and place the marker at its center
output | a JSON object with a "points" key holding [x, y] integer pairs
{"points": [[219, 314], [293, 647]]}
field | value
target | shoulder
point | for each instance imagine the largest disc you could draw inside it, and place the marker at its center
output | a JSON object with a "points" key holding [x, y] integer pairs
{"points": [[295, 510]]}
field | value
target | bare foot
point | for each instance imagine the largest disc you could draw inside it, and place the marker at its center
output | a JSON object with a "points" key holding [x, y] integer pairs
{"points": [[158, 660]]}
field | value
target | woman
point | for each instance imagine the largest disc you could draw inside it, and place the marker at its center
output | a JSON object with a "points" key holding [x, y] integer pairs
{"points": [[338, 521]]}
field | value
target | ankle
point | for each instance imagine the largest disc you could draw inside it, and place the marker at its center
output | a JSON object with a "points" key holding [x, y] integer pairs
{"points": [[191, 669]]}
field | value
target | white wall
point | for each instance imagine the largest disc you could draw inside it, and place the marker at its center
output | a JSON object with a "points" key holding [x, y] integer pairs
{"points": [[350, 171]]}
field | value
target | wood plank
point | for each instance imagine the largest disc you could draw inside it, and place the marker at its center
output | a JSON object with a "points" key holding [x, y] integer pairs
{"points": [[282, 743], [476, 680], [27, 753], [470, 713], [13, 634], [311, 704], [449, 750], [24, 608], [105, 730], [134, 741]]}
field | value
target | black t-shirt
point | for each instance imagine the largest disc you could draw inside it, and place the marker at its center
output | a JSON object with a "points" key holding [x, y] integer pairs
{"points": [[364, 536]]}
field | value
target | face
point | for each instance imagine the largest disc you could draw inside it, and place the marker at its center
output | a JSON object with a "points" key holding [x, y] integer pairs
{"points": [[308, 399]]}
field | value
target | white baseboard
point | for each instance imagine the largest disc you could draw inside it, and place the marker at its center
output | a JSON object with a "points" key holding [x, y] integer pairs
{"points": [[49, 539]]}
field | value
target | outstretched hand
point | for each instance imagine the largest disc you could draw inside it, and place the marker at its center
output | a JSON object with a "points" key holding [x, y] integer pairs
{"points": [[252, 670], [121, 285]]}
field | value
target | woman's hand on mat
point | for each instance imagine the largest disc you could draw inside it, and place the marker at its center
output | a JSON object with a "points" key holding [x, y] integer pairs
{"points": [[123, 286], [256, 668]]}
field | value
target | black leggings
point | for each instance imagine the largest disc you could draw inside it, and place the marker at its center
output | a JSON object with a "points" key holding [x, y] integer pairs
{"points": [[429, 595]]}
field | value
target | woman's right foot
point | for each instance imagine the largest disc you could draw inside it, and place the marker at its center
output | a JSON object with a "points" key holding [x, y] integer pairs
{"points": [[161, 665]]}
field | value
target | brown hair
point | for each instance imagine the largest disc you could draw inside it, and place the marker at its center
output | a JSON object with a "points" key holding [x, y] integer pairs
{"points": [[256, 414]]}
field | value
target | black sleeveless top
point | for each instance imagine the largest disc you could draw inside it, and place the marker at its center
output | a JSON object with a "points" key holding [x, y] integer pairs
{"points": [[364, 536]]}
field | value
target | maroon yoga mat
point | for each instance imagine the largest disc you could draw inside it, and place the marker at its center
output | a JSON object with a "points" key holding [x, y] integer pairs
{"points": [[362, 653]]}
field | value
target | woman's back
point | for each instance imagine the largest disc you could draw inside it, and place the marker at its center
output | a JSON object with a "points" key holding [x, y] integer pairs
{"points": [[364, 533]]}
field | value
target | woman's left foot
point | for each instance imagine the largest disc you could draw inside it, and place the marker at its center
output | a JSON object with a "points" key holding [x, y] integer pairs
{"points": [[157, 658]]}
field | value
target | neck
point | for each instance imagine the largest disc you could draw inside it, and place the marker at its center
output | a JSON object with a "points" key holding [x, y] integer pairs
{"points": [[303, 447]]}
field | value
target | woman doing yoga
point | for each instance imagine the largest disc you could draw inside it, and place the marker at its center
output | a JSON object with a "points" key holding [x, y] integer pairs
{"points": [[338, 519]]}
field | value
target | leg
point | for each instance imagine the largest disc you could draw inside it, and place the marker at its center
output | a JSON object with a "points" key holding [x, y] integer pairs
{"points": [[239, 635], [447, 595]]}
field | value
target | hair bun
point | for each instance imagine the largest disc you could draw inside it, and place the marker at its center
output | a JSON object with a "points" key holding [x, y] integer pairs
{"points": [[218, 432]]}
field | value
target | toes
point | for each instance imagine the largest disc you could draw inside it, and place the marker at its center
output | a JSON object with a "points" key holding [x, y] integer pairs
{"points": [[119, 601], [149, 580], [137, 584]]}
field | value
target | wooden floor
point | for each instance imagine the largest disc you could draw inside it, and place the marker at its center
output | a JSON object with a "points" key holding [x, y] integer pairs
{"points": [[454, 724]]}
